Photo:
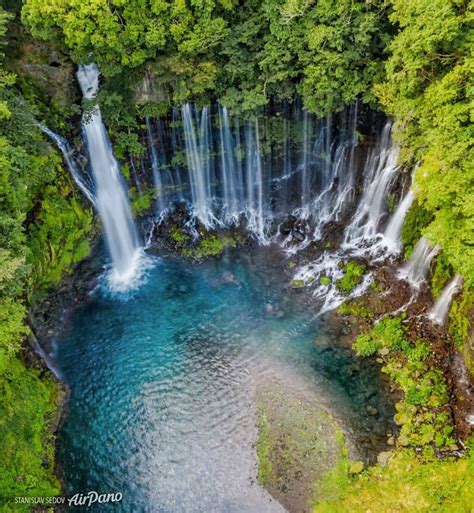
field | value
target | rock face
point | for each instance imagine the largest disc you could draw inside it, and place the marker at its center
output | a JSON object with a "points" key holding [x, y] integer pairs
{"points": [[299, 442], [51, 71]]}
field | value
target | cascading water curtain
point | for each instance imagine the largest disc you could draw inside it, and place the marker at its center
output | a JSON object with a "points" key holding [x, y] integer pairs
{"points": [[233, 171]]}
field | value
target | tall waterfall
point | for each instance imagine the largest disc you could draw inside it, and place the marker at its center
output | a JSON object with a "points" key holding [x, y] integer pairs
{"points": [[393, 233], [198, 151], [254, 173], [379, 173], [335, 192], [110, 194], [287, 177], [253, 168], [251, 172], [439, 313], [416, 270], [231, 169]]}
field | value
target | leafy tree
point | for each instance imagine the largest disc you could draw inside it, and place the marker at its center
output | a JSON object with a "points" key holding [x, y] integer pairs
{"points": [[428, 89], [43, 231]]}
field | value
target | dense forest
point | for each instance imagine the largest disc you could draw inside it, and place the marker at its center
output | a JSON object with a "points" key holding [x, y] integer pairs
{"points": [[409, 59]]}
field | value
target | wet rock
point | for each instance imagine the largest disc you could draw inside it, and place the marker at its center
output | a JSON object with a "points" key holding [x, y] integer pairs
{"points": [[322, 341], [383, 458], [298, 236], [288, 225], [372, 410], [228, 277]]}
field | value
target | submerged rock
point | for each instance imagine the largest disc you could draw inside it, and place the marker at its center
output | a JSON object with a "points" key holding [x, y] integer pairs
{"points": [[228, 277], [299, 442]]}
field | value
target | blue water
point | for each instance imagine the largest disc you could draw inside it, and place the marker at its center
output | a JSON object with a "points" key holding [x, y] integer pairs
{"points": [[162, 385]]}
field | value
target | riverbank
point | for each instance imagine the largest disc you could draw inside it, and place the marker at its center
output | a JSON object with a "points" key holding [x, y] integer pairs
{"points": [[430, 466], [299, 443]]}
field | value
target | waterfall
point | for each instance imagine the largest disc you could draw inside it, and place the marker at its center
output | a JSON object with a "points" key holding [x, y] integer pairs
{"points": [[83, 183], [393, 233], [337, 172], [254, 180], [197, 141], [231, 171], [155, 166], [416, 270], [379, 172], [232, 178], [439, 313], [256, 173], [305, 185], [111, 198]]}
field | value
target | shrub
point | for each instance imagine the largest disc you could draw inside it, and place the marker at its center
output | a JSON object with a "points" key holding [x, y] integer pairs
{"points": [[353, 273]]}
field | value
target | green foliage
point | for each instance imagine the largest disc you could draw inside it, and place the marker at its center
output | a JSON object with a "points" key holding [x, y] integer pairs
{"points": [[442, 273], [460, 328], [141, 201], [26, 449], [336, 480], [428, 89], [388, 332], [209, 245], [353, 274], [325, 280], [179, 236], [59, 237], [422, 414], [330, 51], [12, 328], [377, 286], [355, 308], [416, 219], [43, 233], [298, 284], [406, 483]]}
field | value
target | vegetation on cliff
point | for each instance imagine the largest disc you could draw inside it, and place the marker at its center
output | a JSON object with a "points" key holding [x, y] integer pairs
{"points": [[43, 231], [410, 58]]}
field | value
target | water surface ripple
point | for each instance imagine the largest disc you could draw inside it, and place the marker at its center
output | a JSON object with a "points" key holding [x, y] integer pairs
{"points": [[162, 386]]}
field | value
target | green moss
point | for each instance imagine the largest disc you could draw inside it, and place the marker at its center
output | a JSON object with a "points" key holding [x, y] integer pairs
{"points": [[355, 308], [58, 239], [209, 245], [338, 478], [179, 235], [460, 327], [388, 332], [264, 448], [423, 412], [376, 287], [299, 284], [441, 274], [325, 280], [406, 483], [391, 203], [353, 274]]}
